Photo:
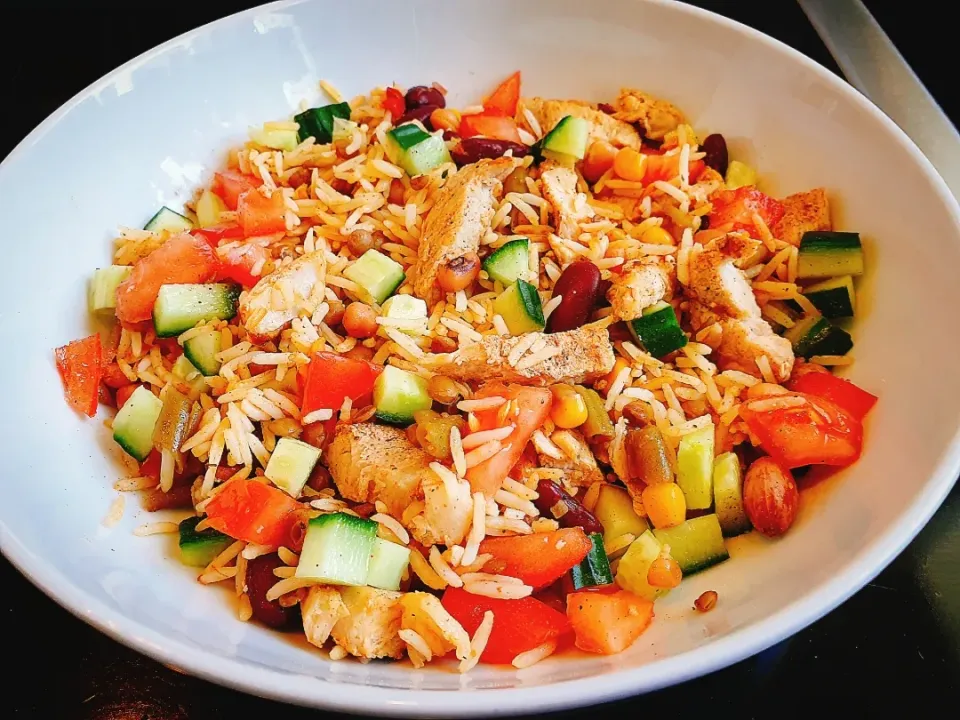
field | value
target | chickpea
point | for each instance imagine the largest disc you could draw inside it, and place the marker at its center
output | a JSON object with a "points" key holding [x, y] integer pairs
{"points": [[443, 390], [359, 352], [359, 241], [360, 320], [335, 313], [459, 273]]}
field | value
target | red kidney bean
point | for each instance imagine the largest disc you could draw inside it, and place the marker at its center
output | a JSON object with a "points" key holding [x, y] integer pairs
{"points": [[260, 579], [704, 222], [606, 108], [420, 95], [470, 150], [579, 285], [576, 515], [715, 152], [421, 113]]}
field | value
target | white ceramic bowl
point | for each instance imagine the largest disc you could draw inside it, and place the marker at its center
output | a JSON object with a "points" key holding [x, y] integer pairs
{"points": [[150, 131]]}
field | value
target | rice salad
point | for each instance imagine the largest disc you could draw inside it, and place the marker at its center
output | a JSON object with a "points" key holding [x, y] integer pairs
{"points": [[479, 384]]}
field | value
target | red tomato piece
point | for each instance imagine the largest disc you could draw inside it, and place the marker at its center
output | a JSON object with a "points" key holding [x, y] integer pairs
{"points": [[80, 364], [151, 466], [124, 393], [491, 126], [237, 262], [230, 185], [181, 259], [113, 376], [394, 103], [607, 623], [518, 625], [856, 401], [254, 512], [538, 559], [531, 408], [814, 432], [261, 215], [332, 377], [216, 234], [503, 100], [736, 208]]}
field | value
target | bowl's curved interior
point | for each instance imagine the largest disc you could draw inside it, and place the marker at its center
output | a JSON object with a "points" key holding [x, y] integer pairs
{"points": [[147, 134]]}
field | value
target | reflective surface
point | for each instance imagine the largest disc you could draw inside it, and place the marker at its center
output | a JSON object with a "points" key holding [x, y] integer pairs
{"points": [[900, 634]]}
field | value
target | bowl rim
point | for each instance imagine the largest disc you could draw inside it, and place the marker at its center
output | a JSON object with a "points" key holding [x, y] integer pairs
{"points": [[384, 701]]}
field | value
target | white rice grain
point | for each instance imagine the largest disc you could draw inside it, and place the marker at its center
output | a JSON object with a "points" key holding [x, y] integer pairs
{"points": [[443, 569], [114, 512], [157, 528], [478, 643], [541, 652]]}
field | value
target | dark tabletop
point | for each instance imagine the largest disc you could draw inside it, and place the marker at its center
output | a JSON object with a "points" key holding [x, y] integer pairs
{"points": [[894, 645]]}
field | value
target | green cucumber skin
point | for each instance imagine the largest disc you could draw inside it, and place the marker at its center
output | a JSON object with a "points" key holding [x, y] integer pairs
{"points": [[318, 122], [659, 332], [507, 255], [531, 302], [818, 241], [594, 569], [170, 327]]}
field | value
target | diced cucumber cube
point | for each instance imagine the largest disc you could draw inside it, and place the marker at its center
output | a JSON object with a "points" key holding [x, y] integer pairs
{"points": [[695, 468], [635, 564], [102, 292], [398, 394], [387, 565], [614, 510], [318, 122], [134, 423], [510, 262], [696, 544], [377, 276], [658, 330], [739, 175], [275, 139], [198, 549], [728, 495], [180, 307], [202, 351], [568, 137], [409, 310], [337, 549], [290, 465], [520, 307], [826, 254], [169, 221], [209, 206]]}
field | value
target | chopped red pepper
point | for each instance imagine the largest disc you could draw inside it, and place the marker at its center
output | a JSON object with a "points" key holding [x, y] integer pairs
{"points": [[332, 377], [254, 512], [230, 185], [261, 215], [503, 100], [518, 625], [812, 432], [394, 103], [538, 559], [491, 126], [80, 364], [856, 401]]}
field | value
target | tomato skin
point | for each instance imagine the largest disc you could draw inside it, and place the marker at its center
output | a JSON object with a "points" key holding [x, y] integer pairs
{"points": [[736, 208], [394, 103], [817, 432], [80, 364], [503, 100], [331, 377], [855, 400], [261, 215], [216, 234], [181, 259], [539, 559], [534, 408], [518, 625], [230, 185], [237, 262], [254, 512], [491, 126]]}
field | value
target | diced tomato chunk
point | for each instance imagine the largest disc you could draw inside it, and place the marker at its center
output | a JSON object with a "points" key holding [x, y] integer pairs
{"points": [[261, 215], [254, 512], [518, 625], [856, 401], [531, 408], [735, 208], [181, 259], [80, 364], [237, 262], [332, 377], [124, 393], [538, 559], [491, 126], [814, 431], [216, 234], [230, 185], [503, 100], [607, 623]]}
